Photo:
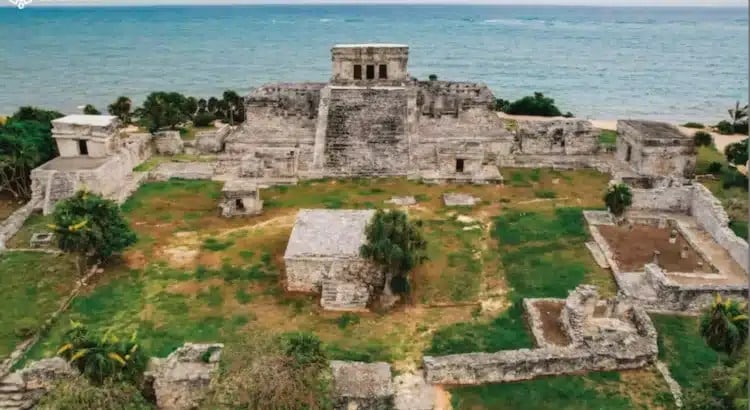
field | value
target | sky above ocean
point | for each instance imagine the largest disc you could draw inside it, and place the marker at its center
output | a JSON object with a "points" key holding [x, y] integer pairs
{"points": [[659, 63]]}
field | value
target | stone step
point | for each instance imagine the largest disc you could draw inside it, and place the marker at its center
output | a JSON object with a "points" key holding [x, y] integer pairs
{"points": [[598, 255]]}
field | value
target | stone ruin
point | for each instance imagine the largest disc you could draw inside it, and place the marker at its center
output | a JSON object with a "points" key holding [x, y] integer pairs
{"points": [[240, 198], [459, 199], [362, 386], [178, 382], [322, 256], [601, 336]]}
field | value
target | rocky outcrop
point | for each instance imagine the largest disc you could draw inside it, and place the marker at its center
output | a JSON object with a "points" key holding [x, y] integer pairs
{"points": [[24, 388], [181, 380]]}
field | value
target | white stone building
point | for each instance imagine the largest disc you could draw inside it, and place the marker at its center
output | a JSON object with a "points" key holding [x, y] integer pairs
{"points": [[85, 135], [322, 256]]}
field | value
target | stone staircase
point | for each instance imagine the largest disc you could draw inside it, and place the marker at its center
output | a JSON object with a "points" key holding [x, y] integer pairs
{"points": [[343, 296]]}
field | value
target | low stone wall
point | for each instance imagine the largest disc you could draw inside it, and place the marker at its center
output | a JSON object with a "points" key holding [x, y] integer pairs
{"points": [[526, 364], [24, 388], [687, 298], [182, 170], [712, 217], [209, 142], [168, 143], [671, 199], [15, 221]]}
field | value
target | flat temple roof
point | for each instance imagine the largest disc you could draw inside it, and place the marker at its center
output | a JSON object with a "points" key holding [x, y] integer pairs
{"points": [[81, 119], [365, 45], [328, 233]]}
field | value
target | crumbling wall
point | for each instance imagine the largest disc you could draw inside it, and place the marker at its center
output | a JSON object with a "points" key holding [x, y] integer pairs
{"points": [[672, 199], [366, 132], [656, 149], [362, 386], [711, 216], [687, 298], [438, 98], [24, 388], [208, 142], [168, 143], [561, 137]]}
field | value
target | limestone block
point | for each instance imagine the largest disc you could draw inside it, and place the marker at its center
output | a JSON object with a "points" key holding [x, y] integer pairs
{"points": [[181, 380], [458, 199], [365, 386], [168, 143]]}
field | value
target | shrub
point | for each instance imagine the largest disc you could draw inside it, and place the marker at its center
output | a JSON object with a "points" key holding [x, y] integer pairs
{"points": [[433, 77], [703, 139], [203, 119], [90, 110], [346, 319], [305, 348], [725, 128], [714, 168], [618, 198], [394, 242], [537, 104], [80, 394], [736, 153], [103, 358], [87, 224], [121, 108], [732, 178], [545, 194], [724, 325], [693, 125]]}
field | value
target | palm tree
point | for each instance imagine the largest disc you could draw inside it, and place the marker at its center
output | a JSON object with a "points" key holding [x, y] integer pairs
{"points": [[121, 108], [618, 198], [724, 325], [737, 114]]}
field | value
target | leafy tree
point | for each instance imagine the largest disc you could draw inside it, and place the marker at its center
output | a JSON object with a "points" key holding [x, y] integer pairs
{"points": [[91, 110], [703, 139], [724, 325], [190, 106], [396, 244], [433, 77], [213, 105], [162, 109], [89, 225], [121, 108], [736, 153], [233, 106], [537, 104], [103, 358], [618, 198], [24, 145], [203, 119], [28, 113], [80, 394], [202, 106]]}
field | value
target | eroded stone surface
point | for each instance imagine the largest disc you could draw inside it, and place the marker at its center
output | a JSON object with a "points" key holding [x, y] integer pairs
{"points": [[362, 386], [458, 199], [181, 380]]}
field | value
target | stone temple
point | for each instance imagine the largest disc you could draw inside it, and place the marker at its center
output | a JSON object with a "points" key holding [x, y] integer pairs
{"points": [[371, 119]]}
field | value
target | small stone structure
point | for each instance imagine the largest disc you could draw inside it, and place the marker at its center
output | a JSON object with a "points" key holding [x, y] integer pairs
{"points": [[41, 239], [656, 149], [178, 382], [208, 142], [181, 380], [604, 336], [362, 386], [322, 256], [85, 135], [459, 199], [168, 143], [240, 197]]}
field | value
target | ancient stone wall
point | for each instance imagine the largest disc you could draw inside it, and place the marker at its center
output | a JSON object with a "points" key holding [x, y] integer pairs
{"points": [[24, 388], [366, 132], [711, 216], [557, 137], [526, 364], [344, 283], [15, 221], [438, 98], [656, 149], [393, 56], [209, 142], [687, 298], [168, 143], [673, 199]]}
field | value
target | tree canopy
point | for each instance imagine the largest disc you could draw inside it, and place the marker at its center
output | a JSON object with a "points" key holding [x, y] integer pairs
{"points": [[395, 243], [537, 104], [121, 108], [736, 153], [88, 225], [724, 325]]}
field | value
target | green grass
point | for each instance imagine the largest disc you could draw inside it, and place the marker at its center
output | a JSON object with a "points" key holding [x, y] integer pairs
{"points": [[739, 228], [608, 137], [593, 392], [215, 245], [516, 227], [545, 194], [707, 155], [371, 351], [156, 160], [173, 190], [695, 125], [35, 223], [32, 287], [682, 348]]}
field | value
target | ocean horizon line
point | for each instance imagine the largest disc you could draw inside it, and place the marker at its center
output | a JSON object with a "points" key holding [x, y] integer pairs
{"points": [[455, 3]]}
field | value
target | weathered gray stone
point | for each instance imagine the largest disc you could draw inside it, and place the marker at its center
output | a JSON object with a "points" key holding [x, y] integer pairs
{"points": [[208, 142], [168, 143], [181, 380], [240, 197], [656, 149], [459, 199], [402, 200], [182, 170], [362, 386]]}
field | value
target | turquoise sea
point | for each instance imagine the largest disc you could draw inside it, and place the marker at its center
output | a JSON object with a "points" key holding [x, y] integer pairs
{"points": [[661, 63]]}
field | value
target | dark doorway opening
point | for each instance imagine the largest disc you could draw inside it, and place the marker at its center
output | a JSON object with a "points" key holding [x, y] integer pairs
{"points": [[383, 72], [459, 165], [370, 72], [357, 72], [627, 155], [82, 147], [239, 204]]}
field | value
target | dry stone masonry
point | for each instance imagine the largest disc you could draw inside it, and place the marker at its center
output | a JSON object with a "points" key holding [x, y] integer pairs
{"points": [[240, 198], [362, 386]]}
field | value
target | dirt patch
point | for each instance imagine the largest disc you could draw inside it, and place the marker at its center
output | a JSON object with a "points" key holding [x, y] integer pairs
{"points": [[193, 287], [180, 256], [135, 259], [634, 246], [550, 315]]}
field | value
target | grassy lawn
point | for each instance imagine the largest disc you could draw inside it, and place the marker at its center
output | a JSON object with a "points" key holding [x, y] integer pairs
{"points": [[156, 160], [682, 348], [33, 287]]}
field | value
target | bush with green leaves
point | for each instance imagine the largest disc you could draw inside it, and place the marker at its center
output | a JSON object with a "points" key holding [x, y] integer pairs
{"points": [[725, 127], [537, 104], [91, 110], [714, 168], [90, 226], [103, 358], [164, 109], [203, 119], [725, 388], [703, 139], [396, 244], [618, 198], [81, 394], [696, 125], [724, 325], [305, 348], [121, 109], [736, 152], [731, 178], [433, 77], [25, 143]]}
